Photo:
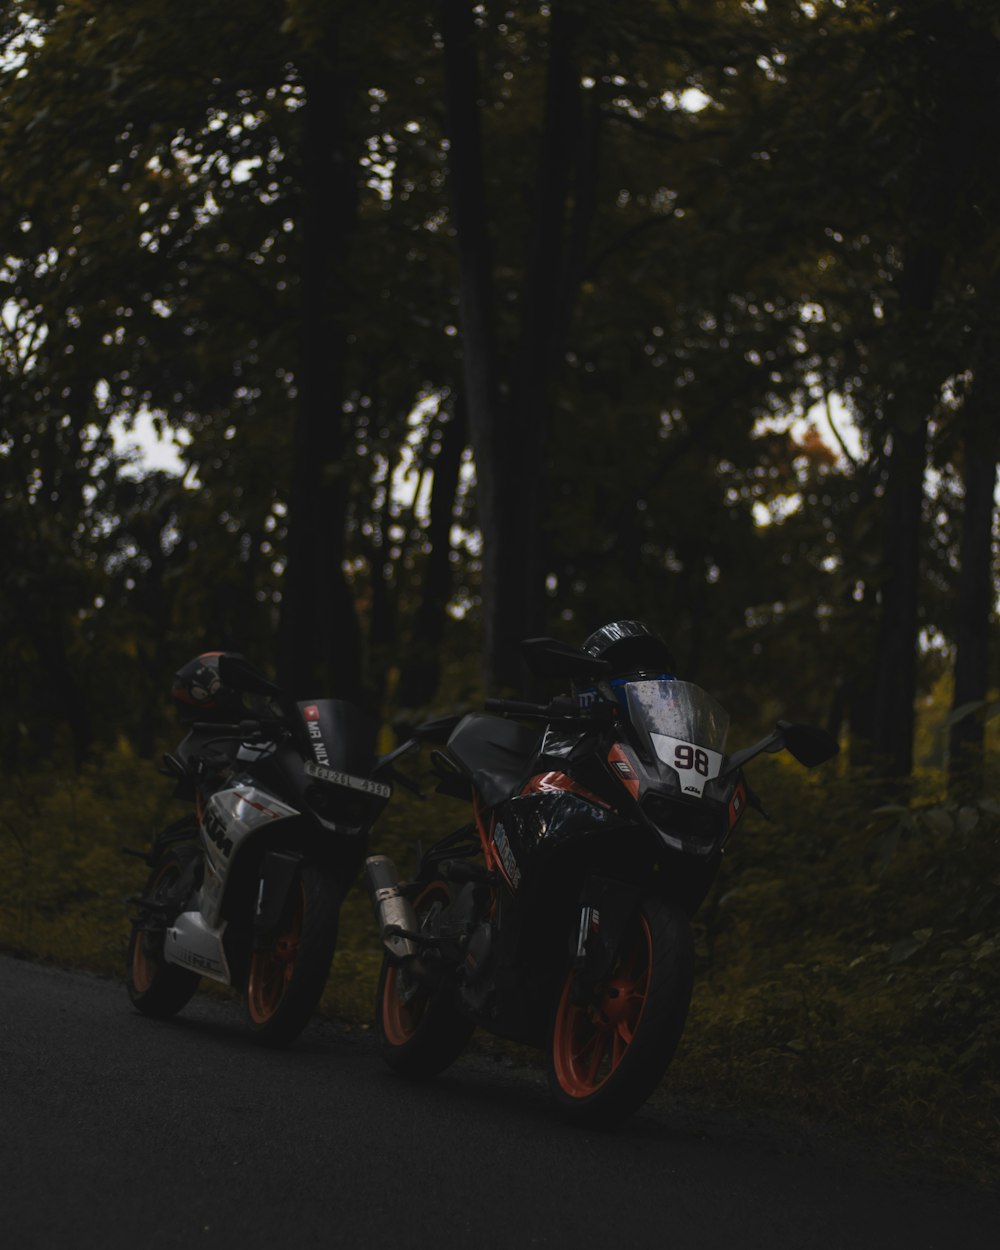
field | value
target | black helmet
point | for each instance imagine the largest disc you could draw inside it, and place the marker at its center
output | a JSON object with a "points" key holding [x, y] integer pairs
{"points": [[631, 648], [201, 694]]}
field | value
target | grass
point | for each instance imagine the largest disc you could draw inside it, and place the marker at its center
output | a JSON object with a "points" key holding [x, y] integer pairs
{"points": [[848, 963]]}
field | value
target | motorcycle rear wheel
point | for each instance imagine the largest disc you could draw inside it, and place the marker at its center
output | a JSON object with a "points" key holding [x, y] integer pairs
{"points": [[607, 1057], [287, 977], [420, 1031], [156, 988]]}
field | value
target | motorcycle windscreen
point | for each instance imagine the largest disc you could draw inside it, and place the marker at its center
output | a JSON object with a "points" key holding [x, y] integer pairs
{"points": [[339, 735], [682, 727]]}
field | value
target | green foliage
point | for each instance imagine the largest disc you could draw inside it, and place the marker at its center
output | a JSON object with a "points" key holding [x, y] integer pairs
{"points": [[850, 965], [734, 265], [66, 881]]}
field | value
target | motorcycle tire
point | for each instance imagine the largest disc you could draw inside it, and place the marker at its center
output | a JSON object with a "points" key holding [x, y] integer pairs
{"points": [[156, 988], [607, 1057], [287, 977], [420, 1031]]}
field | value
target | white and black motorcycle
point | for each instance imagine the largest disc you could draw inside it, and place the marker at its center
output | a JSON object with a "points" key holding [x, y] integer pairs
{"points": [[247, 890]]}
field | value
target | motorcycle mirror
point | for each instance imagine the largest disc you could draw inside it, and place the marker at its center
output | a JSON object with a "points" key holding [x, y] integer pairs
{"points": [[547, 657], [809, 745], [385, 761]]}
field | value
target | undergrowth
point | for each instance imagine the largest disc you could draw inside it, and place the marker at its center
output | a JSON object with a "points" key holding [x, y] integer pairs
{"points": [[850, 965], [848, 958]]}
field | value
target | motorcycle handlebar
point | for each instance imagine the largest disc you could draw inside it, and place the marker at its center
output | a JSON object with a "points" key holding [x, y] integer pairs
{"points": [[514, 707], [560, 708], [239, 730]]}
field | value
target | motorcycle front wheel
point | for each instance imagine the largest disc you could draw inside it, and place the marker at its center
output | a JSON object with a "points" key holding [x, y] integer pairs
{"points": [[156, 988], [287, 976], [607, 1056], [419, 1029]]}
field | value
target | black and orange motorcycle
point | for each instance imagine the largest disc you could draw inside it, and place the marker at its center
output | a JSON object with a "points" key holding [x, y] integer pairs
{"points": [[559, 917]]}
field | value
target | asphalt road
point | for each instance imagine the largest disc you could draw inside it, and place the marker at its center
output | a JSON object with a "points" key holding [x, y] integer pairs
{"points": [[117, 1131]]}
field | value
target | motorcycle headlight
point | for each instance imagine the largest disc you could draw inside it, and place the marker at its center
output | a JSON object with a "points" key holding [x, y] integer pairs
{"points": [[339, 807], [695, 827]]}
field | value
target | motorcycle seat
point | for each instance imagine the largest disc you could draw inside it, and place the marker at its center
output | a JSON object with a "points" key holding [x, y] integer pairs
{"points": [[495, 754]]}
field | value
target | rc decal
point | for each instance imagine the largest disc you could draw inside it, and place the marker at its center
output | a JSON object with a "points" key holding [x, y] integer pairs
{"points": [[506, 856]]}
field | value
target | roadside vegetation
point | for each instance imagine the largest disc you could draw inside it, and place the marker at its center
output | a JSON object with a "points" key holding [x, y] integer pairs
{"points": [[848, 958]]}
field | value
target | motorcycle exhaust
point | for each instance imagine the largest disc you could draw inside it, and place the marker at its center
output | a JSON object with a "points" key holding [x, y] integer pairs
{"points": [[394, 913]]}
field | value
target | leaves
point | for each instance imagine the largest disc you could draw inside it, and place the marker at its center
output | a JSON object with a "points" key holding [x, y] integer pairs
{"points": [[740, 266], [906, 948]]}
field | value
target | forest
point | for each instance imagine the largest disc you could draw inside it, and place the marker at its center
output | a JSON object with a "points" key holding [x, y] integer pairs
{"points": [[475, 322]]}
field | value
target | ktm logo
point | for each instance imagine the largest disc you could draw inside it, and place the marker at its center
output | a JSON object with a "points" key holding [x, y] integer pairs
{"points": [[215, 830]]}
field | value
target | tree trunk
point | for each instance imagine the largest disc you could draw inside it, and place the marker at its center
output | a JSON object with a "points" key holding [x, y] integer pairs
{"points": [[62, 690], [546, 307], [975, 586], [902, 516], [320, 649], [510, 442], [896, 681], [421, 671], [949, 93], [470, 213]]}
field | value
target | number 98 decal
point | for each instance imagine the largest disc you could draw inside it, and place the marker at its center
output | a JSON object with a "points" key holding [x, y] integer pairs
{"points": [[687, 757], [693, 764]]}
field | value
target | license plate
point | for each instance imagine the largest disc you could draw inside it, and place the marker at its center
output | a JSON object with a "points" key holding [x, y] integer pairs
{"points": [[335, 778]]}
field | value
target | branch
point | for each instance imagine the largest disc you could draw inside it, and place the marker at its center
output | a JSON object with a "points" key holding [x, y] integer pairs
{"points": [[836, 433]]}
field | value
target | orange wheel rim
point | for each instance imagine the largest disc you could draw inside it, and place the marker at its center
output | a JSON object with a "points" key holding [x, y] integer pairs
{"points": [[401, 1019], [143, 966], [271, 970], [144, 963], [589, 1042]]}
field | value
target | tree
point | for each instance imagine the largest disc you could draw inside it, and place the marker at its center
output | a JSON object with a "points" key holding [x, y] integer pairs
{"points": [[510, 408], [319, 643], [976, 596], [624, 254]]}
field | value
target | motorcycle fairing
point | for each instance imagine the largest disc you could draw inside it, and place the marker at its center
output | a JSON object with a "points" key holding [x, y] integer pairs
{"points": [[556, 782], [230, 816], [495, 753], [536, 823], [337, 735], [693, 824], [623, 765], [566, 744], [674, 774], [193, 943], [228, 820]]}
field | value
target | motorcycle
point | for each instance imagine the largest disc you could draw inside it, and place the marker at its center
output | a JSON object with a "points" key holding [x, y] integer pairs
{"points": [[247, 890], [559, 917]]}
